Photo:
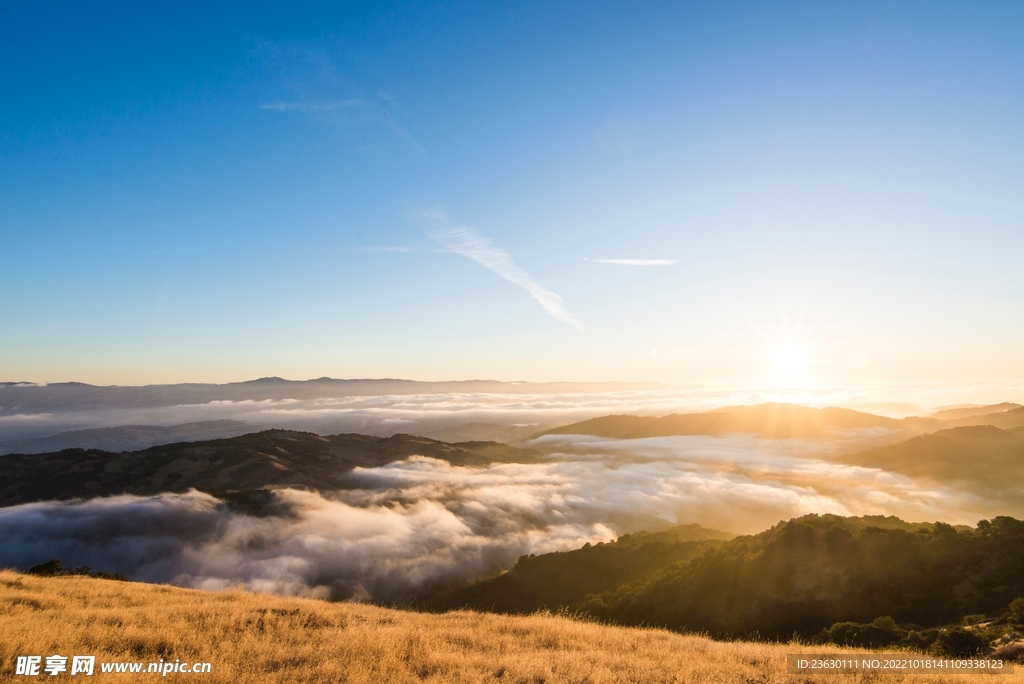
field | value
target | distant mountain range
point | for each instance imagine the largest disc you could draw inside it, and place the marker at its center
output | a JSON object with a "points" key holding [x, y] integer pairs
{"points": [[269, 459], [24, 397], [1009, 419], [973, 411], [127, 437], [43, 418]]}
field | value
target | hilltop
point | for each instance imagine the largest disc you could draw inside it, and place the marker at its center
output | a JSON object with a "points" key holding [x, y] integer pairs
{"points": [[250, 638], [771, 421], [268, 459], [982, 456]]}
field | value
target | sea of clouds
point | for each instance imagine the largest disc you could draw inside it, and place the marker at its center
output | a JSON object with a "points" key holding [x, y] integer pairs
{"points": [[419, 524]]}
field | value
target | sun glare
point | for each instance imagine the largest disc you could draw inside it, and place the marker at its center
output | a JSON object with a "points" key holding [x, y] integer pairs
{"points": [[789, 361], [788, 353]]}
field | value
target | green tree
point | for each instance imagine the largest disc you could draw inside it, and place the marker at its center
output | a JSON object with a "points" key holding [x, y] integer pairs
{"points": [[1017, 609]]}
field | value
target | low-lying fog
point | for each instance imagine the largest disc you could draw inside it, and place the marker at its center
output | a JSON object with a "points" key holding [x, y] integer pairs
{"points": [[422, 522], [430, 414]]}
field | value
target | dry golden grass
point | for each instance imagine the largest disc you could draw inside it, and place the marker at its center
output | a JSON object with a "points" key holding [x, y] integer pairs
{"points": [[259, 638]]}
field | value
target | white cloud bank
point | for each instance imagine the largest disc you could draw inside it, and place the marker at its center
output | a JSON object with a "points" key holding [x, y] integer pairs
{"points": [[423, 522]]}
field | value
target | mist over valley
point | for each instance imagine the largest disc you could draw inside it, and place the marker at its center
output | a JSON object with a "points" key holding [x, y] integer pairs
{"points": [[416, 521]]}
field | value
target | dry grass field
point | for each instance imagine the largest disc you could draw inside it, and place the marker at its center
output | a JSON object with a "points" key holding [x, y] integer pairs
{"points": [[259, 638]]}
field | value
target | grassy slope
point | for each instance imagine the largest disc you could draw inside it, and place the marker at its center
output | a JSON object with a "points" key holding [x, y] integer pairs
{"points": [[252, 638]]}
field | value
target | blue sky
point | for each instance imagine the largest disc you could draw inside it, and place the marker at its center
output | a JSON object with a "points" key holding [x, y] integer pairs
{"points": [[831, 191]]}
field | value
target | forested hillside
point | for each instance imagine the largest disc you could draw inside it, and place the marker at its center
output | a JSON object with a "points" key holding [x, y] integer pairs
{"points": [[561, 580], [802, 576]]}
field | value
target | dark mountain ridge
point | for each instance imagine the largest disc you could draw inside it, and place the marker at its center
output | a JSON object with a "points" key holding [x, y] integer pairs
{"points": [[261, 460]]}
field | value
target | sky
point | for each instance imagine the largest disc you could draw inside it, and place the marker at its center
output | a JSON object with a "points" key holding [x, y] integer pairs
{"points": [[780, 194]]}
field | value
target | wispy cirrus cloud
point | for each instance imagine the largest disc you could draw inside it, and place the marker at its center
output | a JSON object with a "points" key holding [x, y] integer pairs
{"points": [[311, 107], [400, 131], [386, 248], [310, 83], [334, 112], [470, 244], [634, 262]]}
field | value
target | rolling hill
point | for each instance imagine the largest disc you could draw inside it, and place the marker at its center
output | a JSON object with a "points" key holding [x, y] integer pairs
{"points": [[973, 411], [273, 458], [982, 456], [1006, 420], [772, 421]]}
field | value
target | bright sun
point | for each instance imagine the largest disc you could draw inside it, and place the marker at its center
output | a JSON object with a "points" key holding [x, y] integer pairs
{"points": [[789, 362], [788, 353]]}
